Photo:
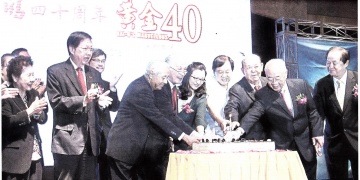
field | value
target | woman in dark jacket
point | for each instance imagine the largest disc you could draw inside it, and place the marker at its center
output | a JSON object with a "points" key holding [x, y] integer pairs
{"points": [[21, 144]]}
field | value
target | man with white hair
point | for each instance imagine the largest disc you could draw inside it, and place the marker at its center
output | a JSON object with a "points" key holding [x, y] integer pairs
{"points": [[291, 112], [138, 143]]}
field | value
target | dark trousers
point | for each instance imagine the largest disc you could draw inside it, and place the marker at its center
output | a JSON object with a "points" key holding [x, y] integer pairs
{"points": [[77, 167], [337, 157], [34, 173], [151, 164], [103, 161]]}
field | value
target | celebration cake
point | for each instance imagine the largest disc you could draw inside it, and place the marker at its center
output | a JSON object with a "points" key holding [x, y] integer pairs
{"points": [[218, 145]]}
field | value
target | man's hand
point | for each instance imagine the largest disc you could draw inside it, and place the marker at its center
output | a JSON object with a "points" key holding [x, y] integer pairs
{"points": [[235, 125], [39, 86], [234, 134], [41, 90], [91, 95], [318, 143], [8, 92], [104, 100], [114, 81], [190, 139], [196, 135], [225, 125]]}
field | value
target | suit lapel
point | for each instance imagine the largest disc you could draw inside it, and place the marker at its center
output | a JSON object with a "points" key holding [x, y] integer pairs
{"points": [[19, 102], [71, 74], [248, 89], [350, 83], [293, 93], [168, 89], [281, 102], [89, 77], [332, 97]]}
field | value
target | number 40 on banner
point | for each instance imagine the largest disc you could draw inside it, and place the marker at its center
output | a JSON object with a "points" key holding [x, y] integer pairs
{"points": [[192, 32]]}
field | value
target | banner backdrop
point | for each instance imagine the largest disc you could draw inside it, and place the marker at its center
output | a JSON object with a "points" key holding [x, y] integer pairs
{"points": [[312, 57], [131, 32]]}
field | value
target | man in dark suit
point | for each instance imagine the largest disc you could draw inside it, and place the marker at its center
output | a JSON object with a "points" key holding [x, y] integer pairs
{"points": [[167, 97], [97, 61], [242, 96], [291, 113], [138, 142], [338, 105], [76, 129]]}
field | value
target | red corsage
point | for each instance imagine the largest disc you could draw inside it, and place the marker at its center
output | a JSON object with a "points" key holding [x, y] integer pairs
{"points": [[187, 108], [98, 87], [355, 90], [301, 99]]}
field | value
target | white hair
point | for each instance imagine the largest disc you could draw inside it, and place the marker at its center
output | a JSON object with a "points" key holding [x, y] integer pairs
{"points": [[156, 66], [275, 63], [252, 57]]}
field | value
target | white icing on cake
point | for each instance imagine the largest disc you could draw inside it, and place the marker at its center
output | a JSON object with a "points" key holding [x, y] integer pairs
{"points": [[237, 146]]}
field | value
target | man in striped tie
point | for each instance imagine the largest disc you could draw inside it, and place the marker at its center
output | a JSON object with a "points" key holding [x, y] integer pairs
{"points": [[294, 126]]}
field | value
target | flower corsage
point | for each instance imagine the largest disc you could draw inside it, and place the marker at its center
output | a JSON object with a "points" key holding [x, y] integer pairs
{"points": [[355, 90], [98, 87], [187, 108], [301, 99]]}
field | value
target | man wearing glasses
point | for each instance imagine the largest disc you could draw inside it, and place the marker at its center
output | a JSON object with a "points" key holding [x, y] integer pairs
{"points": [[167, 97], [97, 61], [76, 106]]}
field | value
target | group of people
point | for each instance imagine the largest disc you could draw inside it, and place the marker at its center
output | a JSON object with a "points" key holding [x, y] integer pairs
{"points": [[170, 107]]}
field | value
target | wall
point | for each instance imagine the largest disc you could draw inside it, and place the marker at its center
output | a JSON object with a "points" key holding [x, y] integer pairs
{"points": [[328, 11]]}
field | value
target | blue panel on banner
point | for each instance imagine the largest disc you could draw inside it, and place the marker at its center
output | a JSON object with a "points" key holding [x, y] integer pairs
{"points": [[311, 57]]}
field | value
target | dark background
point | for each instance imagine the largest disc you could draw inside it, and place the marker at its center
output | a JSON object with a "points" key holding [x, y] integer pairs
{"points": [[264, 13]]}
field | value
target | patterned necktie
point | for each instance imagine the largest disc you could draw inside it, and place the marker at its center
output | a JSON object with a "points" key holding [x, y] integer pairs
{"points": [[174, 99], [81, 80], [287, 99], [339, 94], [257, 87]]}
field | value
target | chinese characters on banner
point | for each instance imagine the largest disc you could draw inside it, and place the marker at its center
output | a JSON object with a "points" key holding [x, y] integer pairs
{"points": [[131, 33], [143, 20]]}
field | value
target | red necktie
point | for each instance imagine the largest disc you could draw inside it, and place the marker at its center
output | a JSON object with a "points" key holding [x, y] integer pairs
{"points": [[81, 80], [174, 99], [257, 87]]}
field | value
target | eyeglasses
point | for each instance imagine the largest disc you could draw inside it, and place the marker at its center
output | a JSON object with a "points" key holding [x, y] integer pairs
{"points": [[182, 72], [87, 49], [98, 60], [274, 79], [198, 79]]}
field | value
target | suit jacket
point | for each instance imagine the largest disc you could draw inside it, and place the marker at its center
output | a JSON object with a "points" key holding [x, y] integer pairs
{"points": [[18, 133], [339, 122], [241, 98], [284, 128], [104, 115], [73, 123], [163, 102], [139, 118]]}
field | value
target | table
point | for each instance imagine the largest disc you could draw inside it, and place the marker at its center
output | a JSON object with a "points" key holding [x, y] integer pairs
{"points": [[275, 165]]}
